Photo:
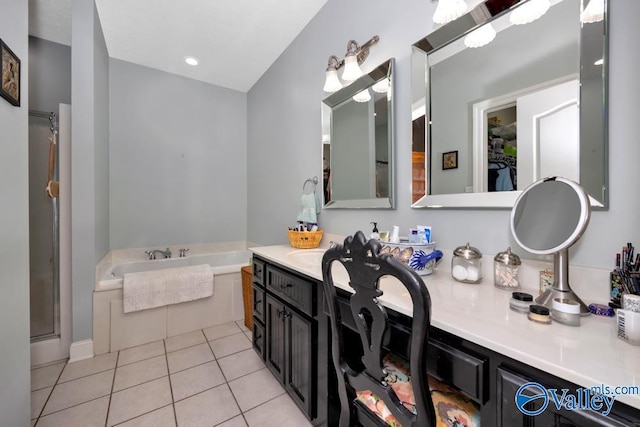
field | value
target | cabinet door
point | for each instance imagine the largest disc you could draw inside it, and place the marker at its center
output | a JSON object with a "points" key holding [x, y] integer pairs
{"points": [[510, 416], [275, 343], [302, 358]]}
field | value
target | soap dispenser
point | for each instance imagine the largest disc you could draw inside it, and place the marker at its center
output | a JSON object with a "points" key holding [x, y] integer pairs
{"points": [[375, 234]]}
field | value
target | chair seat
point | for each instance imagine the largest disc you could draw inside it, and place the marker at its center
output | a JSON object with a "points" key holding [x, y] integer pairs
{"points": [[452, 408]]}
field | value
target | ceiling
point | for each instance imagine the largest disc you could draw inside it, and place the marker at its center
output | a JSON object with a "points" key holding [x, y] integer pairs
{"points": [[235, 41]]}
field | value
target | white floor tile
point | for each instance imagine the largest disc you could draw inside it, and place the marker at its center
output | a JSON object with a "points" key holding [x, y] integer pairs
{"points": [[279, 412], [220, 331], [189, 357], [207, 408], [140, 372], [241, 363], [72, 393], [241, 325], [184, 340], [46, 376], [255, 389], [195, 380], [38, 399], [82, 368], [141, 352], [139, 400], [234, 422], [228, 345], [163, 417], [89, 414]]}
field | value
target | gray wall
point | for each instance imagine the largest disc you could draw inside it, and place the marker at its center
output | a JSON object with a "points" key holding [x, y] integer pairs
{"points": [[89, 160], [14, 229], [49, 74], [178, 159], [284, 126]]}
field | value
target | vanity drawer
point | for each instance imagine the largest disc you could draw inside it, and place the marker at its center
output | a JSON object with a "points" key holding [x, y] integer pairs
{"points": [[258, 302], [258, 339], [458, 368], [300, 293], [258, 271]]}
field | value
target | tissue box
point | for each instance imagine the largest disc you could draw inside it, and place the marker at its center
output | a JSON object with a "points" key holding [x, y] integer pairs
{"points": [[421, 258]]}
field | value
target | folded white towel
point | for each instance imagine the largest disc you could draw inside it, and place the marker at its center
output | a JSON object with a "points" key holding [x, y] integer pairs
{"points": [[157, 288]]}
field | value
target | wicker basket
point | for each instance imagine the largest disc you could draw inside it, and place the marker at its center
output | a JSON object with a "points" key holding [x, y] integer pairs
{"points": [[305, 239], [247, 295]]}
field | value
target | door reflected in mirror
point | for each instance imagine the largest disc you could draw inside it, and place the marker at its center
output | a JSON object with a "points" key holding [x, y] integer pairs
{"points": [[527, 105], [357, 142]]}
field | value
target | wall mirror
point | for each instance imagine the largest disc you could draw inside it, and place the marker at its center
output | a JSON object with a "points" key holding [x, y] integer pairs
{"points": [[357, 142], [489, 121]]}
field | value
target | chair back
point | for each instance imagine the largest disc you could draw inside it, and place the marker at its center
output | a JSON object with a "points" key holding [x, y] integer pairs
{"points": [[365, 267]]}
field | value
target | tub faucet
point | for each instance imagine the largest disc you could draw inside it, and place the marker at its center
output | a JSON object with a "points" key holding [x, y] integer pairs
{"points": [[183, 252], [152, 253]]}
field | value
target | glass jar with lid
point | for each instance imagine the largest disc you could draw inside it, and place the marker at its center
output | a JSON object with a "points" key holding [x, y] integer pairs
{"points": [[466, 264], [505, 270]]}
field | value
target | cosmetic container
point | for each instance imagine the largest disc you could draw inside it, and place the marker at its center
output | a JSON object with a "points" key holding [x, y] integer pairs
{"points": [[520, 302], [539, 314], [505, 270], [631, 302], [466, 264], [565, 311]]}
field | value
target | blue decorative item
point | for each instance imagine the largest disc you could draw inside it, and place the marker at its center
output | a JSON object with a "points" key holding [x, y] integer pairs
{"points": [[421, 260]]}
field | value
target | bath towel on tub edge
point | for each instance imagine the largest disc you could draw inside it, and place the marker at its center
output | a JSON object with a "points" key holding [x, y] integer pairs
{"points": [[157, 288]]}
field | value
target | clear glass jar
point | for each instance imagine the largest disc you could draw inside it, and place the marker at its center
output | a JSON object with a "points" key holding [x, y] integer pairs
{"points": [[466, 264], [505, 272]]}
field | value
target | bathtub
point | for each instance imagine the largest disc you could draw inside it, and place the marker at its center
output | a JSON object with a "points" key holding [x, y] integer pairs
{"points": [[115, 330], [221, 263]]}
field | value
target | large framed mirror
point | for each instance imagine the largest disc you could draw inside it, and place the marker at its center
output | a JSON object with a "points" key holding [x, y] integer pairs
{"points": [[357, 142], [526, 104]]}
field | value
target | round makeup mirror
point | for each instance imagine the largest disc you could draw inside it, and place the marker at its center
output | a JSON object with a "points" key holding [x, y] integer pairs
{"points": [[548, 217]]}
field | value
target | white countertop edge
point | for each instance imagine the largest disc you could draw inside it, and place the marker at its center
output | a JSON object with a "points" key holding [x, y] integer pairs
{"points": [[589, 355]]}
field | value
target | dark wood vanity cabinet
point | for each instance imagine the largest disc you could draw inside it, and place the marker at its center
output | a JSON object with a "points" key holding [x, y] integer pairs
{"points": [[292, 343], [291, 333]]}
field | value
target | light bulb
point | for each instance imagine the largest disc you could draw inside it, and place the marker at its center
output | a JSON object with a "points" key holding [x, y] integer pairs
{"points": [[332, 82], [529, 12], [480, 37], [449, 10], [363, 96], [352, 70], [594, 12], [381, 87]]}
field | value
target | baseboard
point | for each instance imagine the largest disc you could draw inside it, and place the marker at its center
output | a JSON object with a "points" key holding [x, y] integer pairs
{"points": [[80, 350]]}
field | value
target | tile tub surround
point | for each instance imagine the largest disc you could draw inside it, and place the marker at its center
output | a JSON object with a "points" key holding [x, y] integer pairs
{"points": [[589, 355], [114, 330], [193, 379]]}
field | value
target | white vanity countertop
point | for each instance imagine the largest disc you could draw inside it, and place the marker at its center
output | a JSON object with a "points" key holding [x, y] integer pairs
{"points": [[589, 355]]}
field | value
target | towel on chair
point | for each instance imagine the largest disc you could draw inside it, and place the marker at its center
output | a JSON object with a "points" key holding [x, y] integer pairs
{"points": [[157, 288], [308, 211]]}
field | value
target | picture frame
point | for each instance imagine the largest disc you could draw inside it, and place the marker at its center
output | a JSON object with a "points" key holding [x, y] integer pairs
{"points": [[10, 67], [450, 160]]}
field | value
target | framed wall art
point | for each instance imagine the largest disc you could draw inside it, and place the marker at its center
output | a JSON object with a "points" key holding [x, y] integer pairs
{"points": [[10, 73], [450, 160]]}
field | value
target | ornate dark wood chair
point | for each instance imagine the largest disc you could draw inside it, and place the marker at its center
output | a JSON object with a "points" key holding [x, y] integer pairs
{"points": [[371, 390]]}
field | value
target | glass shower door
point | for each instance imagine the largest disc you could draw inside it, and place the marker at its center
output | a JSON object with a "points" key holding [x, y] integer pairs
{"points": [[43, 231]]}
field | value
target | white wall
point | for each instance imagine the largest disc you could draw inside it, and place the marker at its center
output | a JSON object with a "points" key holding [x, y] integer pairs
{"points": [[14, 230], [178, 159], [89, 160], [284, 127]]}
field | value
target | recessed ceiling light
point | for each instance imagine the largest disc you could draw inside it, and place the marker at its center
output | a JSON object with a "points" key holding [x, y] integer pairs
{"points": [[191, 60]]}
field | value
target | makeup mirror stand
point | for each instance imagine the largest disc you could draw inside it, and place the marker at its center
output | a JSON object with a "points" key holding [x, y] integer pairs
{"points": [[561, 288]]}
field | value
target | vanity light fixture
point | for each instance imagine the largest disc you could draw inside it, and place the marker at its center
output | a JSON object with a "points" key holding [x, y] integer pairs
{"points": [[449, 10], [529, 12], [191, 60], [355, 56], [362, 96], [594, 12], [480, 37]]}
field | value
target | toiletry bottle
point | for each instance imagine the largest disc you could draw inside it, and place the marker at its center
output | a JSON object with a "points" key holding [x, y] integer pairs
{"points": [[374, 233]]}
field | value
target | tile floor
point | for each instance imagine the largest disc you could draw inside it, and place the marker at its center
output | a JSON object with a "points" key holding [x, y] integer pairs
{"points": [[209, 377]]}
